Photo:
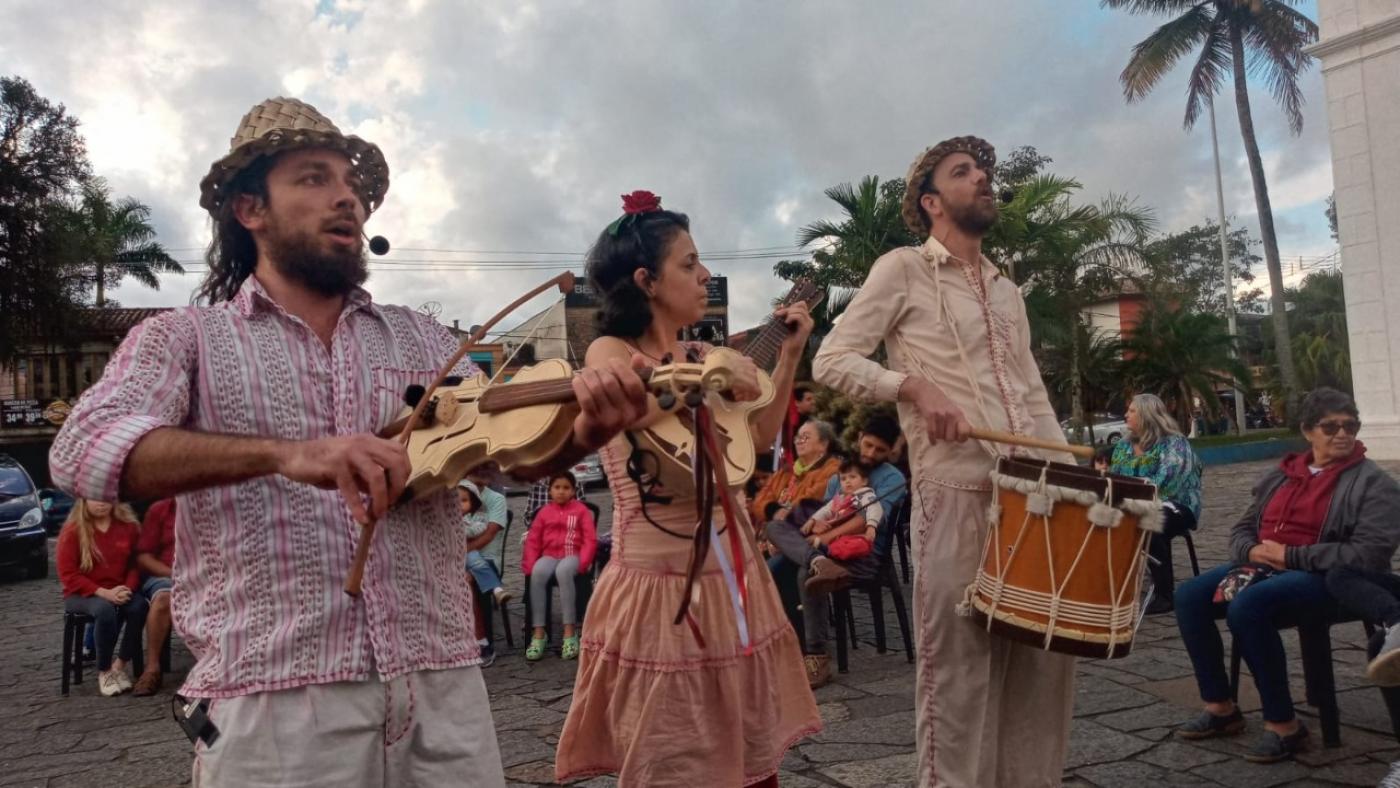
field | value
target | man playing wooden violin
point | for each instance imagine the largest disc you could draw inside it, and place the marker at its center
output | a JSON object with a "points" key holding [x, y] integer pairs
{"points": [[259, 412]]}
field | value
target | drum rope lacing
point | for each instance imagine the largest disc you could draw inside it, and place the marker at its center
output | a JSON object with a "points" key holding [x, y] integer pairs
{"points": [[1117, 617]]}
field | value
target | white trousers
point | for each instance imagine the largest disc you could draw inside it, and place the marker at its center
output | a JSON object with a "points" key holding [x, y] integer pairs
{"points": [[989, 711], [429, 728]]}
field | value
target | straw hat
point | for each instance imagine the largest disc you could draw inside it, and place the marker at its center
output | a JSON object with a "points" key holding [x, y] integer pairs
{"points": [[283, 124], [919, 171]]}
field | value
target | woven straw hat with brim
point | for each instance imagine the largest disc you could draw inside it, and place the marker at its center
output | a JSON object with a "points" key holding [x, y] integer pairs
{"points": [[922, 169], [281, 124]]}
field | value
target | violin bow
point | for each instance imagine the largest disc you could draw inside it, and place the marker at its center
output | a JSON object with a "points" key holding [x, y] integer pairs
{"points": [[565, 283]]}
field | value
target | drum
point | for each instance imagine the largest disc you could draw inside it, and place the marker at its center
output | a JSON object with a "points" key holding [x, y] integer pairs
{"points": [[1064, 556]]}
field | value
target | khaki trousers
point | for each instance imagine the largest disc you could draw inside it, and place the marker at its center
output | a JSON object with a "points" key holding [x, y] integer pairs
{"points": [[429, 728]]}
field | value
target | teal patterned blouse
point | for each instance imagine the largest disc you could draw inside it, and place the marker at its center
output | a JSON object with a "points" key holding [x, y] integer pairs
{"points": [[1170, 464]]}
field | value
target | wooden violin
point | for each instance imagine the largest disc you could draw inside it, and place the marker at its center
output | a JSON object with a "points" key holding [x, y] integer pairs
{"points": [[527, 420], [673, 440]]}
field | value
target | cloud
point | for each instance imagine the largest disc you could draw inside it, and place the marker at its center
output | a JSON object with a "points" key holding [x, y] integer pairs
{"points": [[514, 126]]}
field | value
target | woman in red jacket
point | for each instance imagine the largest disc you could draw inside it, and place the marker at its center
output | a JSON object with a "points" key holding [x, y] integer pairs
{"points": [[97, 569], [560, 545]]}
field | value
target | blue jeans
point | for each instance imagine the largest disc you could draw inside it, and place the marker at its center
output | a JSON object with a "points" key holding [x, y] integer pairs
{"points": [[108, 620], [483, 572], [1251, 618]]}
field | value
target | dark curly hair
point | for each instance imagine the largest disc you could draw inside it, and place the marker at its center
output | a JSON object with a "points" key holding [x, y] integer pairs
{"points": [[1322, 401], [883, 427], [232, 254], [623, 307]]}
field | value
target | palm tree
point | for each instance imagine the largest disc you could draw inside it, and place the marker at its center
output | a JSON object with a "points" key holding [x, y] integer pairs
{"points": [[1066, 256], [1272, 35], [1082, 365], [1178, 355], [115, 240], [849, 247], [1320, 348]]}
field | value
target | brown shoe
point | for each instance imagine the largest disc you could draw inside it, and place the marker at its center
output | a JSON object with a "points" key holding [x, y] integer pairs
{"points": [[826, 576], [818, 669], [148, 684]]}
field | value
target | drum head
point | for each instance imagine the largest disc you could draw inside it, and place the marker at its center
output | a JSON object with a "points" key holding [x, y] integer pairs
{"points": [[1076, 477]]}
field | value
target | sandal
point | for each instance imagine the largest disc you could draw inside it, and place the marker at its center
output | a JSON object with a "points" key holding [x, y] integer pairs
{"points": [[569, 650], [535, 651]]}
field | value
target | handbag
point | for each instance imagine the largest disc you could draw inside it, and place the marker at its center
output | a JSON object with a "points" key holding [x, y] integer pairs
{"points": [[1240, 578]]}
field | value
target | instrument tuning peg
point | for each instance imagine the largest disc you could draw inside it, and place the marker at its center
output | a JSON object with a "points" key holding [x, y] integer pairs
{"points": [[694, 397], [666, 399]]}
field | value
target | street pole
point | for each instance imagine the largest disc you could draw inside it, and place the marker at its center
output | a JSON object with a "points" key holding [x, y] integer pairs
{"points": [[1225, 262]]}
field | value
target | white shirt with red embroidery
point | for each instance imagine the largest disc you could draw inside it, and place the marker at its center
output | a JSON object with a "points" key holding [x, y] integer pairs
{"points": [[259, 565]]}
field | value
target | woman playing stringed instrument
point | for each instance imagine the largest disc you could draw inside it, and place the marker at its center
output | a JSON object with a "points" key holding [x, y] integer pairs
{"points": [[718, 699]]}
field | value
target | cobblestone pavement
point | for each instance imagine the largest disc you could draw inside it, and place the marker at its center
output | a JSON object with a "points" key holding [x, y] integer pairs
{"points": [[1124, 711]]}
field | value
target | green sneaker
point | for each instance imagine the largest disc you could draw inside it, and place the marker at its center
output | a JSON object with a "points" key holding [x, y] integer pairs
{"points": [[570, 648], [535, 651]]}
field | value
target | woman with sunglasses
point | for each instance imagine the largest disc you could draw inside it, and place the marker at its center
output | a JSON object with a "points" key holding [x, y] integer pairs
{"points": [[1322, 508]]}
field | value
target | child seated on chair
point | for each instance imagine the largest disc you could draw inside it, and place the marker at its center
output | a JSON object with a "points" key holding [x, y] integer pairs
{"points": [[560, 545], [845, 527]]}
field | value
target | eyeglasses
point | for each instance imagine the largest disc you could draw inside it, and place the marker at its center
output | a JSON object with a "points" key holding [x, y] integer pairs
{"points": [[801, 438], [1329, 428]]}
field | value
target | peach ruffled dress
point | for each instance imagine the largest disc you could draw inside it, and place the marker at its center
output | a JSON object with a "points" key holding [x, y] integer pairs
{"points": [[651, 704]]}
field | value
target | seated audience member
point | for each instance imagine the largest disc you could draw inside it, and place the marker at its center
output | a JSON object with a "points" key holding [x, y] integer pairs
{"points": [[874, 448], [155, 554], [838, 542], [97, 569], [1320, 509], [560, 545], [1157, 451], [807, 478], [484, 512]]}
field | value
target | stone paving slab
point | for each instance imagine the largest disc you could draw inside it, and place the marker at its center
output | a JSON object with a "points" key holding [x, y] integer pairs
{"points": [[1125, 710]]}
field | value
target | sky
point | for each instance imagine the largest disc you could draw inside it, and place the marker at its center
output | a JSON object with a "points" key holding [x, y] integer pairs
{"points": [[512, 128]]}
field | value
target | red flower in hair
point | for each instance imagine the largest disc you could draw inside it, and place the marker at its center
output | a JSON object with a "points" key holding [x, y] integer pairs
{"points": [[640, 202]]}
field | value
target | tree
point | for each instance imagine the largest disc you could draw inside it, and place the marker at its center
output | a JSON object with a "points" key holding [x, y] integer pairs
{"points": [[1272, 35], [1179, 355], [848, 248], [1320, 348], [42, 161], [1188, 263], [1331, 212], [1065, 257], [112, 241], [1082, 367]]}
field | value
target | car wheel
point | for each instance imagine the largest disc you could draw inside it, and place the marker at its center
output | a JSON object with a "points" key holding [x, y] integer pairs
{"points": [[38, 568]]}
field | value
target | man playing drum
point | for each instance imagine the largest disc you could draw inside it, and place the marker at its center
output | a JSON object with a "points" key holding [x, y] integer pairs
{"points": [[989, 711]]}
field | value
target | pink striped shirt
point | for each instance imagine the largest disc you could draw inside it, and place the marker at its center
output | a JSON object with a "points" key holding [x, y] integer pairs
{"points": [[259, 565]]}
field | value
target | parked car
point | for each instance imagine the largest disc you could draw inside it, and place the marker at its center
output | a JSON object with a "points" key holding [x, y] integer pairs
{"points": [[589, 470], [23, 541], [1107, 429], [57, 505]]}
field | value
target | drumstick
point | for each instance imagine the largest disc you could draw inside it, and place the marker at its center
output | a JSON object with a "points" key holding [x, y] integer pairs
{"points": [[997, 436]]}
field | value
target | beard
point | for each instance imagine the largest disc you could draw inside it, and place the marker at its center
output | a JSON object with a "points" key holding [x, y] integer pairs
{"points": [[976, 217], [300, 258]]}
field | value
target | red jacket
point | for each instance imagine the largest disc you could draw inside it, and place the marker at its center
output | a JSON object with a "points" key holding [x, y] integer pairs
{"points": [[158, 532], [559, 532], [1298, 508], [116, 567]]}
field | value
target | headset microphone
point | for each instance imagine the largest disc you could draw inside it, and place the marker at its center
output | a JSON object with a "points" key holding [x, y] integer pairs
{"points": [[378, 244]]}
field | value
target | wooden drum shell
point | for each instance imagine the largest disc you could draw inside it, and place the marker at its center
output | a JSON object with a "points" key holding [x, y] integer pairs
{"points": [[1084, 564]]}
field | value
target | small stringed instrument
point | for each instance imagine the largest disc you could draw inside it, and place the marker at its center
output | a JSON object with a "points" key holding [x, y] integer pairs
{"points": [[673, 440], [528, 419]]}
